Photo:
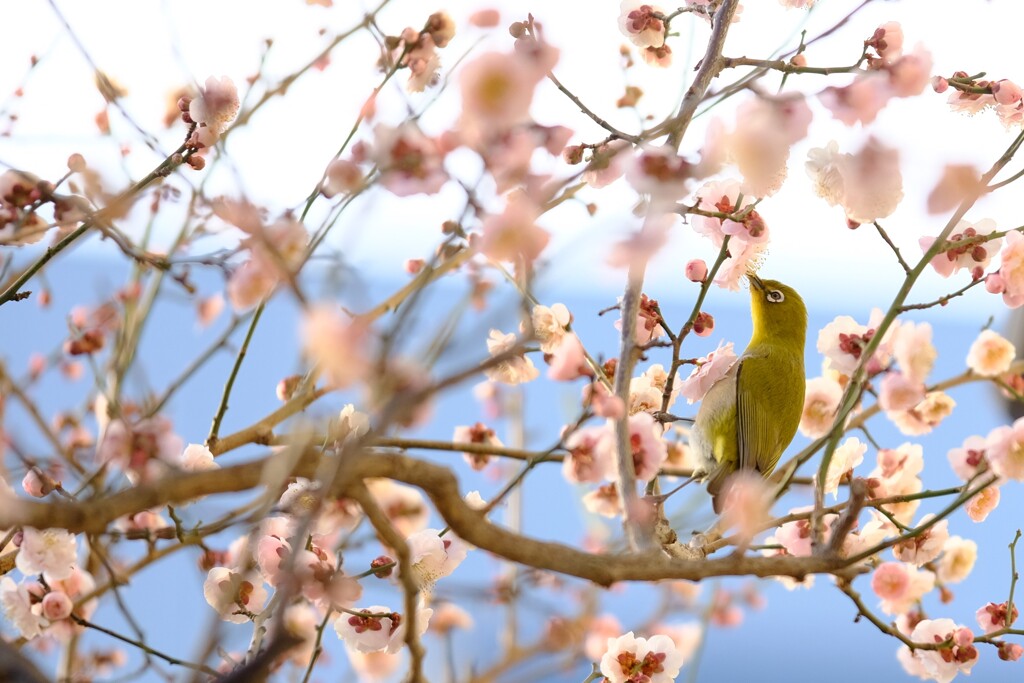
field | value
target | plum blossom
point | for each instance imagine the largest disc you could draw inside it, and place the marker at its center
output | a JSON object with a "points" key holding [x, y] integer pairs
{"points": [[197, 458], [747, 500], [991, 354], [845, 458], [913, 350], [603, 501], [842, 341], [336, 345], [497, 90], [649, 451], [900, 586], [434, 557], [1011, 270], [925, 546], [233, 594], [568, 361], [514, 370], [945, 663], [898, 392], [213, 110], [759, 145], [966, 247], [343, 177], [377, 628], [993, 617], [599, 630], [409, 161], [1005, 451], [867, 536], [549, 325], [585, 461], [478, 434], [708, 370], [796, 536], [925, 416], [53, 551], [607, 163], [722, 196], [821, 401], [143, 449], [17, 602], [896, 474], [629, 659], [868, 184], [404, 505], [982, 503], [640, 23], [660, 173], [969, 459], [957, 561], [514, 235]]}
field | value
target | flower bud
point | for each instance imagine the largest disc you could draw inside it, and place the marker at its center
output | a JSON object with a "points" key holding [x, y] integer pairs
{"points": [[696, 270]]}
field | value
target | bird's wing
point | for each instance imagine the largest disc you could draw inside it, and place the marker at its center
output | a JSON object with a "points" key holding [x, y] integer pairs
{"points": [[764, 425]]}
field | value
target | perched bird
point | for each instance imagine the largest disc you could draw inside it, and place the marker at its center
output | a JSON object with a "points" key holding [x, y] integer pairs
{"points": [[750, 415]]}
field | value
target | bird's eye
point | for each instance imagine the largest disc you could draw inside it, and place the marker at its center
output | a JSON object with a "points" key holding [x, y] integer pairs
{"points": [[775, 296]]}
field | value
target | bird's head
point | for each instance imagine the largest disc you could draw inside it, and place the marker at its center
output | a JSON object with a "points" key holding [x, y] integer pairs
{"points": [[778, 313]]}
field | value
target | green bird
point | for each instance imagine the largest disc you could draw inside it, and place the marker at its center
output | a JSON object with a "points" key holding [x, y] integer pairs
{"points": [[750, 415]]}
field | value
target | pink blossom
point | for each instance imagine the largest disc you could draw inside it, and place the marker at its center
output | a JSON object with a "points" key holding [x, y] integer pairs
{"points": [[549, 325], [721, 196], [37, 483], [343, 177], [1006, 92], [860, 101], [568, 361], [958, 182], [585, 461], [1005, 451], [964, 248], [653, 660], [647, 390], [477, 434], [372, 633], [497, 90], [660, 56], [660, 173], [969, 459], [1011, 270], [607, 163], [484, 18], [873, 185], [603, 501], [434, 557], [900, 586], [845, 458], [638, 23], [724, 611], [842, 342], [888, 41], [924, 547], [957, 561], [797, 4], [196, 458], [514, 235], [913, 350], [747, 501], [143, 450], [991, 354], [993, 617], [925, 416], [599, 630], [709, 370], [982, 503], [1010, 652], [743, 258], [647, 446], [515, 370], [897, 473], [448, 617], [686, 636], [823, 168], [796, 536], [213, 109], [911, 73], [821, 401], [944, 664], [759, 144], [17, 602], [409, 161], [233, 594], [404, 505], [373, 667], [49, 551], [868, 536], [336, 345], [897, 392]]}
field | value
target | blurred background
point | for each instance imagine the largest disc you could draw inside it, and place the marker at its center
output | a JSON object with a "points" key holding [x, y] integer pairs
{"points": [[48, 110]]}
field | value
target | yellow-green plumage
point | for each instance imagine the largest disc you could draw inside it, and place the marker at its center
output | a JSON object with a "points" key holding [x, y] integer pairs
{"points": [[751, 414]]}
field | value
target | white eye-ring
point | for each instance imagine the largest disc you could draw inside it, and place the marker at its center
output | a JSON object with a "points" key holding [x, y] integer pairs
{"points": [[775, 296]]}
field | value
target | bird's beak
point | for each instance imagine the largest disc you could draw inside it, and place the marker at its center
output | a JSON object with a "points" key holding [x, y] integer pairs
{"points": [[756, 281]]}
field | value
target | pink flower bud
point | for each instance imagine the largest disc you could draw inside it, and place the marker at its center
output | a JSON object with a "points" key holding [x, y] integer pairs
{"points": [[703, 324], [696, 270], [1010, 652], [414, 265], [57, 606], [485, 18], [798, 60], [994, 284], [36, 484], [940, 84], [76, 163]]}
